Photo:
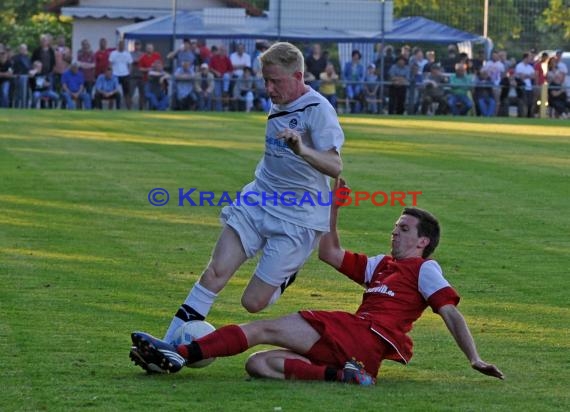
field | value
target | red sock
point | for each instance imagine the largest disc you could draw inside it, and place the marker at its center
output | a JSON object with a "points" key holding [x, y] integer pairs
{"points": [[226, 341], [299, 369]]}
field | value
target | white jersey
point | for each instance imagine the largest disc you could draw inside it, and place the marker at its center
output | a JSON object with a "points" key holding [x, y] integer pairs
{"points": [[120, 62], [289, 176]]}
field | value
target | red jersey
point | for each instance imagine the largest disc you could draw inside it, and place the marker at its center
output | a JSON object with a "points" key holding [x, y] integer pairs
{"points": [[101, 61], [397, 292], [146, 62], [221, 64]]}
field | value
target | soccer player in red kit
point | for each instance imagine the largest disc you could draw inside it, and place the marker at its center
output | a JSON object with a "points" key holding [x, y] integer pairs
{"points": [[336, 345]]}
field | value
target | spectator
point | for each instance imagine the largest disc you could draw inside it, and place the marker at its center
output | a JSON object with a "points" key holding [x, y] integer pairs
{"points": [[561, 66], [414, 89], [21, 66], [156, 89], [524, 70], [221, 66], [244, 89], [260, 48], [137, 81], [185, 95], [102, 57], [328, 81], [451, 60], [186, 52], [511, 93], [261, 99], [316, 64], [308, 77], [86, 60], [73, 89], [6, 76], [557, 98], [353, 75], [418, 58], [478, 61], [45, 54], [107, 88], [433, 91], [371, 87], [204, 86], [495, 70], [430, 57], [240, 60], [121, 61], [203, 51], [458, 100], [398, 75], [42, 90], [62, 54], [389, 60], [484, 95]]}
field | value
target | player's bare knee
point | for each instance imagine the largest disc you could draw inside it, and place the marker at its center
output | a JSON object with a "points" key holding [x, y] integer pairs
{"points": [[255, 365], [213, 278], [253, 305]]}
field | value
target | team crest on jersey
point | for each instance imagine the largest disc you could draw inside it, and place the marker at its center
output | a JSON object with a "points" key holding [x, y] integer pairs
{"points": [[292, 123]]}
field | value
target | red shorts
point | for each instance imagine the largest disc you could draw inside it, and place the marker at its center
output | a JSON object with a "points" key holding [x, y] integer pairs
{"points": [[345, 336]]}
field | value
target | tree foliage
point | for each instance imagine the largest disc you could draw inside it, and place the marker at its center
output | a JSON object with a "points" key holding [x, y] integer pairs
{"points": [[556, 18], [23, 21]]}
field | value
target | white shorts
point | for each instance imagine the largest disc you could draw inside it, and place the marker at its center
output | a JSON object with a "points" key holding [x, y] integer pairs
{"points": [[285, 246]]}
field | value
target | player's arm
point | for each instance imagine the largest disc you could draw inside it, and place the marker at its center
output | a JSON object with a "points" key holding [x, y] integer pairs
{"points": [[330, 250], [327, 162], [460, 331]]}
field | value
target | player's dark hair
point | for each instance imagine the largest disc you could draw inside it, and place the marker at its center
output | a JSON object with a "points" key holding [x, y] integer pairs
{"points": [[428, 226]]}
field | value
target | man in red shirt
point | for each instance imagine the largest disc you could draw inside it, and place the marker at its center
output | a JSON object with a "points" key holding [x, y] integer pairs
{"points": [[148, 59], [221, 66], [335, 345], [102, 57]]}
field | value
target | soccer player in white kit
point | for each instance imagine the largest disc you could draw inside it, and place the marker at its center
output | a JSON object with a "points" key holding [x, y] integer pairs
{"points": [[303, 139]]}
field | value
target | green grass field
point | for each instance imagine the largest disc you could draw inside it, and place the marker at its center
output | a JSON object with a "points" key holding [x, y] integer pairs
{"points": [[85, 259]]}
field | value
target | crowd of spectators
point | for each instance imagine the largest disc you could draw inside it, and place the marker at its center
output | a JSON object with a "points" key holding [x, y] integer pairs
{"points": [[198, 77]]}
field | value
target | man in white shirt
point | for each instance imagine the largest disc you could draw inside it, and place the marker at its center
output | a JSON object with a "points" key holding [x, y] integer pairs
{"points": [[121, 60], [524, 70]]}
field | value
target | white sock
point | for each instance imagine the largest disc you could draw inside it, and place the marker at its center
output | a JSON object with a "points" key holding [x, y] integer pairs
{"points": [[199, 300]]}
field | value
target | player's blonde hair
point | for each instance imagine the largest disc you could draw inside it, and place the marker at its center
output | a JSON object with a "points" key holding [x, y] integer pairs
{"points": [[285, 55]]}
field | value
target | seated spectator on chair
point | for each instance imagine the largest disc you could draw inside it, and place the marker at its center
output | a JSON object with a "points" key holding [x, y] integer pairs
{"points": [[184, 87], [73, 89], [434, 92], [156, 89], [204, 86], [42, 89], [557, 98], [371, 87], [243, 90], [353, 75], [107, 88], [461, 83], [484, 95], [328, 81]]}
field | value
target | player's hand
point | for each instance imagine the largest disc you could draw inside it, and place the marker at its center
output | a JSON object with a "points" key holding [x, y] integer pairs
{"points": [[487, 369], [293, 140], [339, 188]]}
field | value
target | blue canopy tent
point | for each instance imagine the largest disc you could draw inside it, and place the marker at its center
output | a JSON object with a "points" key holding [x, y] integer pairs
{"points": [[191, 25]]}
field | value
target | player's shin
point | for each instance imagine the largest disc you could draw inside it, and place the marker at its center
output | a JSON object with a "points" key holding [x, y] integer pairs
{"points": [[226, 341]]}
